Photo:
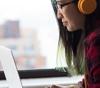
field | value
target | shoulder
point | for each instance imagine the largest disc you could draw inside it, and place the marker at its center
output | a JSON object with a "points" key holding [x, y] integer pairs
{"points": [[93, 45], [93, 37]]}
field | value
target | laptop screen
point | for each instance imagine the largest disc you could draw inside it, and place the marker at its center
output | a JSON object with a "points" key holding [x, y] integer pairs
{"points": [[9, 67]]}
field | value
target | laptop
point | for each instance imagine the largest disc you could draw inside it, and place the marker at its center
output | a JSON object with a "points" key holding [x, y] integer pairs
{"points": [[9, 67]]}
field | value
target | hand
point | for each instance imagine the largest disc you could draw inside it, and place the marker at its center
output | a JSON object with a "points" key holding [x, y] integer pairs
{"points": [[69, 86], [58, 86]]}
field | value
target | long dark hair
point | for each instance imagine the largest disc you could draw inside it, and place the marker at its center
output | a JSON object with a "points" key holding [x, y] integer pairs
{"points": [[73, 41], [91, 20]]}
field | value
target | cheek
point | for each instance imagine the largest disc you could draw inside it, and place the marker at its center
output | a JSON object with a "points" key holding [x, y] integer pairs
{"points": [[71, 12], [68, 14]]}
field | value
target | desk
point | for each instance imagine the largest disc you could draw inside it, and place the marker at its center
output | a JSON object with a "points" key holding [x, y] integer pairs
{"points": [[44, 82]]}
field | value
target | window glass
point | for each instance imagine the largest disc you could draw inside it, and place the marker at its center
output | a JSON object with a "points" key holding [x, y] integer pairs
{"points": [[29, 28]]}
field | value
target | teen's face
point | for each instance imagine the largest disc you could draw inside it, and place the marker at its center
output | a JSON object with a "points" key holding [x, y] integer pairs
{"points": [[70, 15]]}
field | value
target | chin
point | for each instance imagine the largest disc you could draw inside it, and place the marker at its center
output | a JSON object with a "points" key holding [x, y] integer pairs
{"points": [[70, 29]]}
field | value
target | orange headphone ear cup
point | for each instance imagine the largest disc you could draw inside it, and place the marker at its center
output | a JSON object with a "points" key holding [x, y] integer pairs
{"points": [[79, 6], [87, 6]]}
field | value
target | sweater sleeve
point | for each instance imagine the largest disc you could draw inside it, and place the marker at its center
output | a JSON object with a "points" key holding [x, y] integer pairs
{"points": [[93, 61]]}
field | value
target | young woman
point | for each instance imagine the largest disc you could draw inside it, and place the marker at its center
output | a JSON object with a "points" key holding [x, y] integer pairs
{"points": [[79, 30]]}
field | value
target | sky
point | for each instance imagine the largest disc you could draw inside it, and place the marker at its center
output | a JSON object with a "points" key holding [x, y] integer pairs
{"points": [[36, 14], [29, 10]]}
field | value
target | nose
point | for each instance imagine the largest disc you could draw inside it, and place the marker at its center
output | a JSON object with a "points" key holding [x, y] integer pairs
{"points": [[59, 14]]}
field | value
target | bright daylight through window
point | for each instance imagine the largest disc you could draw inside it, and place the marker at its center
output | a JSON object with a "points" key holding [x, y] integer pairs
{"points": [[29, 28]]}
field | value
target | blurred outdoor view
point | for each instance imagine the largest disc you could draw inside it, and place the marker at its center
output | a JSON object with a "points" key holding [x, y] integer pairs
{"points": [[29, 28]]}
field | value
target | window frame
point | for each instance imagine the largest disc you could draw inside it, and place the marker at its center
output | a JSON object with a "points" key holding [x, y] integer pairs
{"points": [[38, 73]]}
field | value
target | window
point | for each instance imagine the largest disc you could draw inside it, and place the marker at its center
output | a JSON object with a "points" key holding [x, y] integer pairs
{"points": [[30, 29]]}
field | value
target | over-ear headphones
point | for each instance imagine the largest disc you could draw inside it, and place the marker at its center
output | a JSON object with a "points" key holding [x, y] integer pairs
{"points": [[87, 6]]}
